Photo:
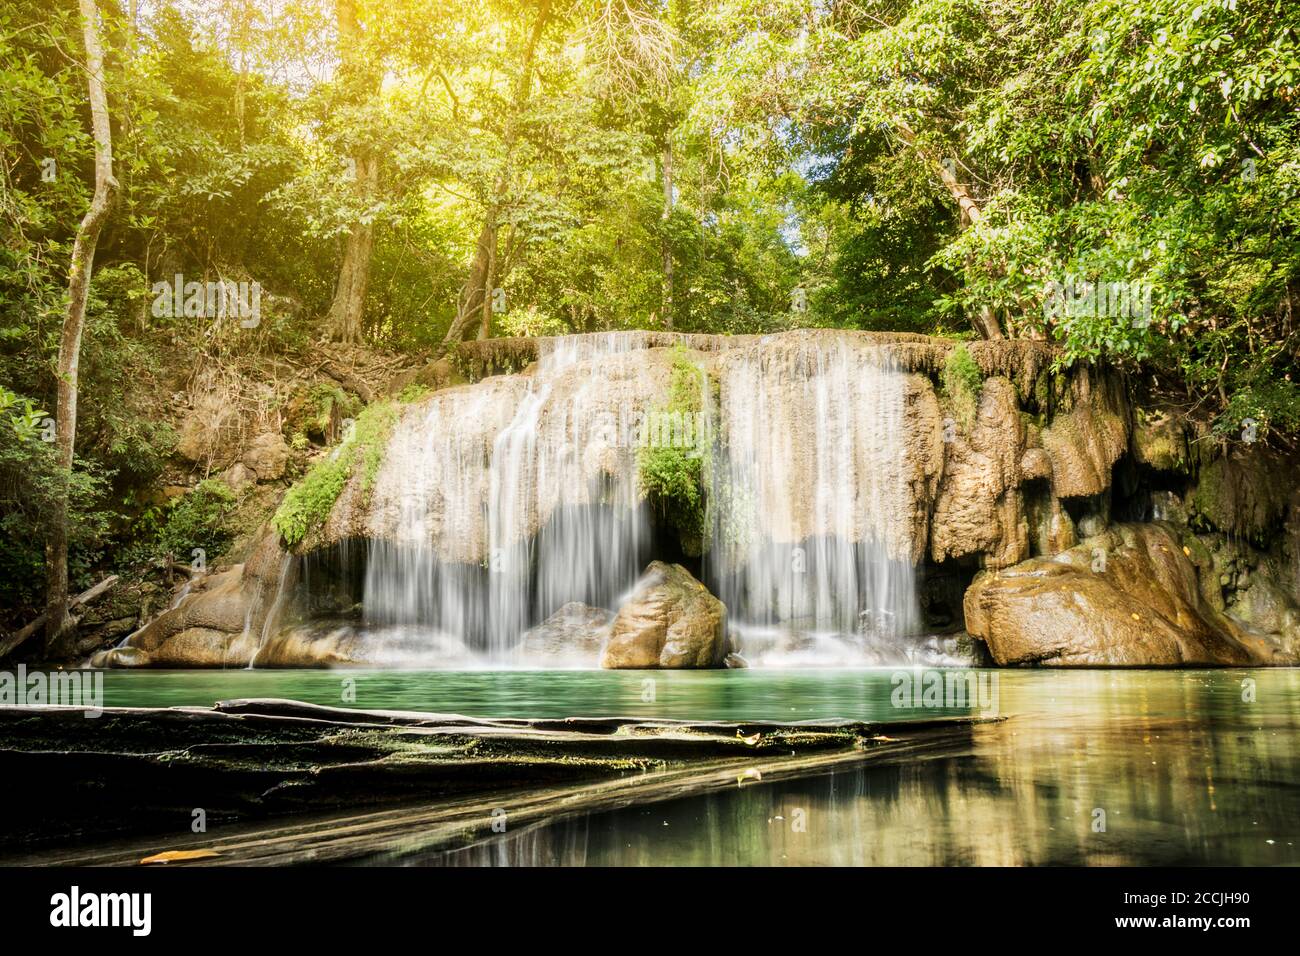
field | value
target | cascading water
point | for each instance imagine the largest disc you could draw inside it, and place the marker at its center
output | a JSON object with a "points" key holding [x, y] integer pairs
{"points": [[499, 502], [511, 498], [811, 505]]}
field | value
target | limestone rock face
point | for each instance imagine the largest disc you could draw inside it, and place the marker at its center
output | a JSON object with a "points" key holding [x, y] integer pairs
{"points": [[1160, 442], [218, 624], [575, 635], [671, 621], [1244, 493], [267, 456], [1128, 597], [980, 508], [1085, 441]]}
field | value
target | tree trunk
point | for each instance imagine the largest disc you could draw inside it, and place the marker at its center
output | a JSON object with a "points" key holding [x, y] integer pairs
{"points": [[343, 323], [15, 640], [489, 282], [57, 620], [667, 245], [470, 305], [986, 320], [476, 295]]}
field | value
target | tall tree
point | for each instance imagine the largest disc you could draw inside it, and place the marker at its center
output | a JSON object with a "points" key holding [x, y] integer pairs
{"points": [[344, 321], [475, 302], [57, 621]]}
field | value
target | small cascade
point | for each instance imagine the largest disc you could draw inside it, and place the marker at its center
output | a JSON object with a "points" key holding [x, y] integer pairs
{"points": [[812, 511], [506, 500], [272, 619]]}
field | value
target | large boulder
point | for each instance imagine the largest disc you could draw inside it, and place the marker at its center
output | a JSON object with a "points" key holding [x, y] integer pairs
{"points": [[1266, 606], [1127, 597], [218, 623], [670, 621], [573, 635]]}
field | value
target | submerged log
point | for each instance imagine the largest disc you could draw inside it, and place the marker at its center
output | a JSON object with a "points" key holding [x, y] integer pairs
{"points": [[140, 771]]}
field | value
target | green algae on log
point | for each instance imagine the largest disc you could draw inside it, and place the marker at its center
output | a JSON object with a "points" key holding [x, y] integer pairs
{"points": [[133, 771]]}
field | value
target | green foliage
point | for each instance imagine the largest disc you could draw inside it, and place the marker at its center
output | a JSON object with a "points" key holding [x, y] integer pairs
{"points": [[29, 474], [672, 471], [307, 505], [962, 382], [1150, 142], [413, 393], [197, 520]]}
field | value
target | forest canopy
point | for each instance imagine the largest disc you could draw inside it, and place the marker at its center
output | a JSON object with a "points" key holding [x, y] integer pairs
{"points": [[1121, 177]]}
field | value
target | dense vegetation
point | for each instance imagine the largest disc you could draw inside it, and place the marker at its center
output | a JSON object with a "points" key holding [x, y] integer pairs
{"points": [[397, 175]]}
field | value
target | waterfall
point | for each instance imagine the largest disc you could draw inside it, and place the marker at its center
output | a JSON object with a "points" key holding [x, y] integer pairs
{"points": [[510, 498], [812, 511], [499, 502]]}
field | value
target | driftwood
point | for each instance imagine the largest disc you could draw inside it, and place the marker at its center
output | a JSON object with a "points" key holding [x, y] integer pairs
{"points": [[15, 640]]}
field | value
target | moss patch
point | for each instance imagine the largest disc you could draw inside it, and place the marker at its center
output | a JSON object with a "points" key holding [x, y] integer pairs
{"points": [[962, 382], [308, 504]]}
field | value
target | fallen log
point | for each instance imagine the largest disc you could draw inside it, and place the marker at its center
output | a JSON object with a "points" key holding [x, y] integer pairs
{"points": [[15, 640], [251, 763]]}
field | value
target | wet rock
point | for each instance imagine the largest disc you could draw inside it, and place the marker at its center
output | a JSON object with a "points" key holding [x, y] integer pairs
{"points": [[1160, 441], [1243, 493], [1085, 441], [1035, 463], [1266, 606], [1128, 597], [120, 657], [217, 624], [1091, 524], [980, 507], [1051, 528], [671, 621], [575, 634]]}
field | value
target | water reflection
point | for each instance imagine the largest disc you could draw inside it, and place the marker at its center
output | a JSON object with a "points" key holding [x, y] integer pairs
{"points": [[1104, 768], [1095, 767]]}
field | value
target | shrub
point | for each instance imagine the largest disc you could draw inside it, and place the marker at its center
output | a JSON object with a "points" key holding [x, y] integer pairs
{"points": [[672, 475]]}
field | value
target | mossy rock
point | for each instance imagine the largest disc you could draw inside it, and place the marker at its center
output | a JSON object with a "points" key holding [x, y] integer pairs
{"points": [[962, 382], [1160, 442], [1244, 495], [317, 413]]}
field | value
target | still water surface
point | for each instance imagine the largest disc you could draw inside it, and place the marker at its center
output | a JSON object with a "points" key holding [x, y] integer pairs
{"points": [[1092, 767]]}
